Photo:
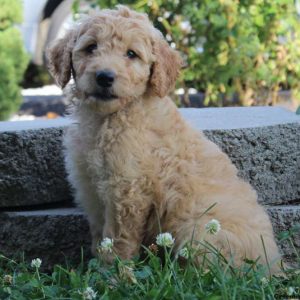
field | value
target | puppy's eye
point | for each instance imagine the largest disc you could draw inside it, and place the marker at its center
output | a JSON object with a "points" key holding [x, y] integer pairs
{"points": [[90, 48], [131, 54]]}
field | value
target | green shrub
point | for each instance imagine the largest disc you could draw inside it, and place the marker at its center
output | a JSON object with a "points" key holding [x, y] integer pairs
{"points": [[13, 58], [249, 49], [10, 13]]}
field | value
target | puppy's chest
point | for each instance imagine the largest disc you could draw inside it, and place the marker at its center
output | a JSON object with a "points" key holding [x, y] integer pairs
{"points": [[117, 151]]}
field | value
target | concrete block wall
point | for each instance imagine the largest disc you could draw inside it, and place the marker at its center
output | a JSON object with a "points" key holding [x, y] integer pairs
{"points": [[37, 215]]}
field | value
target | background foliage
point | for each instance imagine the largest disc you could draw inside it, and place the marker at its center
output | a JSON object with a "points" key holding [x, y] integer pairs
{"points": [[13, 59], [236, 50]]}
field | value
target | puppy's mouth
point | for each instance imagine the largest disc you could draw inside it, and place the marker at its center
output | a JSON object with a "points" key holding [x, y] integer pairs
{"points": [[103, 95]]}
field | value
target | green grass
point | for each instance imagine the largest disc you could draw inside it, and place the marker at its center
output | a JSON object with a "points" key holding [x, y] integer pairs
{"points": [[151, 278]]}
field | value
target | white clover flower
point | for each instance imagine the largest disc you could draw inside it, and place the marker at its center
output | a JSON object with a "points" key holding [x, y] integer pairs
{"points": [[165, 239], [106, 245], [7, 279], [89, 294], [36, 263], [184, 252], [264, 281], [213, 226], [290, 291]]}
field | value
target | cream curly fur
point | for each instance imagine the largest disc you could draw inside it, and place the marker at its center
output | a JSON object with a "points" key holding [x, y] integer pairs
{"points": [[133, 161]]}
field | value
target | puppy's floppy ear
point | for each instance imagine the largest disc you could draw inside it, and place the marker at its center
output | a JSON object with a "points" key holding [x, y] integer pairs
{"points": [[165, 69], [59, 59]]}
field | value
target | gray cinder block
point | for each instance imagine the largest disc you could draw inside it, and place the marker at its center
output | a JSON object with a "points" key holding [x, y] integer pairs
{"points": [[31, 163], [57, 235], [263, 143]]}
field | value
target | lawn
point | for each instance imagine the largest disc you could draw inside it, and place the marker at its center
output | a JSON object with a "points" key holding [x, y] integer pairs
{"points": [[155, 276]]}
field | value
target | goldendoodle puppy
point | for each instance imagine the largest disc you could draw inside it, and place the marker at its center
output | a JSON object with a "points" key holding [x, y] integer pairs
{"points": [[133, 161]]}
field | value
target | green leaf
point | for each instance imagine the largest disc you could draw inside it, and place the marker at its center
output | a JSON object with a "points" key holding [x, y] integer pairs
{"points": [[144, 273]]}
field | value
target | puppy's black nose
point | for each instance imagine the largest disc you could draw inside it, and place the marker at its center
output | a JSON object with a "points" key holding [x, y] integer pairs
{"points": [[105, 78]]}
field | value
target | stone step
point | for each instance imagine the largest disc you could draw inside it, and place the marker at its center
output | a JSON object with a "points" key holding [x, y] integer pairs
{"points": [[58, 235], [285, 218], [31, 163], [263, 143]]}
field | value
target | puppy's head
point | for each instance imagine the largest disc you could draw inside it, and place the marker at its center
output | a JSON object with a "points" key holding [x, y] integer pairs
{"points": [[115, 57]]}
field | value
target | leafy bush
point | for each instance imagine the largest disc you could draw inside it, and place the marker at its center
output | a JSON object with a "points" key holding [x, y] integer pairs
{"points": [[10, 13], [248, 50], [13, 58]]}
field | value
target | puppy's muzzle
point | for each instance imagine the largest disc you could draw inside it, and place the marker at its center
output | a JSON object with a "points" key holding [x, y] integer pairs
{"points": [[105, 78]]}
